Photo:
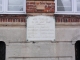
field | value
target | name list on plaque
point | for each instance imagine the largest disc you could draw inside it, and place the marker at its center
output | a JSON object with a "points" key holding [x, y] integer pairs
{"points": [[40, 28]]}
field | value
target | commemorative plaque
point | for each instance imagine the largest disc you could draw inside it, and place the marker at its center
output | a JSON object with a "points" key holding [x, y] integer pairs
{"points": [[40, 28]]}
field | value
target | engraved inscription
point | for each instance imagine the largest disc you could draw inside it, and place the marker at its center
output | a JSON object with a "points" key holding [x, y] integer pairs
{"points": [[40, 28]]}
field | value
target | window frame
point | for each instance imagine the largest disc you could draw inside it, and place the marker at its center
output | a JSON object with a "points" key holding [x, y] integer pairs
{"points": [[2, 7], [74, 9], [5, 8]]}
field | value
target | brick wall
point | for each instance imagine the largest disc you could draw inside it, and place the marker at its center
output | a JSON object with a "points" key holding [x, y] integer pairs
{"points": [[40, 7], [47, 7], [67, 18], [12, 18]]}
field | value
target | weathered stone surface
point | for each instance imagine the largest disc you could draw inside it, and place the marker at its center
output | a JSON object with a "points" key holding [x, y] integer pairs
{"points": [[40, 49], [33, 59], [7, 52], [65, 58], [67, 33], [73, 52], [15, 59], [41, 59], [60, 48], [12, 34], [32, 50], [64, 49], [18, 34]]}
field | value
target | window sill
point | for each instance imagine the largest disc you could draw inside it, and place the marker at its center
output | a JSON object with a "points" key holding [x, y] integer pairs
{"points": [[12, 13], [67, 13]]}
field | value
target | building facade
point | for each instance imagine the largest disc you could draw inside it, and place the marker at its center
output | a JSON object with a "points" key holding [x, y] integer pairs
{"points": [[13, 26]]}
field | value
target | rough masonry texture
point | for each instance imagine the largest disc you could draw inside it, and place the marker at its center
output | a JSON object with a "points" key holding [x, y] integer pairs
{"points": [[13, 33], [17, 46], [40, 6]]}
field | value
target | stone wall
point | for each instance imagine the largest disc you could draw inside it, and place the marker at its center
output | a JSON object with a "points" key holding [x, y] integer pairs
{"points": [[17, 48]]}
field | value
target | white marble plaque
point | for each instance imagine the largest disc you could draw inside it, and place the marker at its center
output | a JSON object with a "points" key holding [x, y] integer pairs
{"points": [[40, 28]]}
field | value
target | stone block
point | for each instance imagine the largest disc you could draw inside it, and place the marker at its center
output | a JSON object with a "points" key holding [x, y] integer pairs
{"points": [[73, 52], [33, 58], [65, 58], [16, 59], [41, 59], [12, 34], [64, 49], [40, 49], [67, 33], [7, 52]]}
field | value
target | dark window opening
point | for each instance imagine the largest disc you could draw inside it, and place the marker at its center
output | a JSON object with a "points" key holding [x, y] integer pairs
{"points": [[2, 50], [77, 50]]}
